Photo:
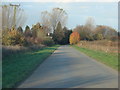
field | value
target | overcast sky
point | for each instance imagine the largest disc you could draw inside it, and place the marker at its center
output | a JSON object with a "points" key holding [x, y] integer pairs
{"points": [[104, 13]]}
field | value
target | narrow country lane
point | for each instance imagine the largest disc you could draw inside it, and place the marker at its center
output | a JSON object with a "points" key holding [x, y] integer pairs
{"points": [[68, 68]]}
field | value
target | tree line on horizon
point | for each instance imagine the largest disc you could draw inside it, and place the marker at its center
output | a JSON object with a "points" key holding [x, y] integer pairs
{"points": [[51, 29], [91, 32]]}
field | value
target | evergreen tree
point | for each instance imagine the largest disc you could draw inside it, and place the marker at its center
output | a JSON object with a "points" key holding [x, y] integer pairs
{"points": [[27, 31], [67, 33], [20, 29], [58, 34]]}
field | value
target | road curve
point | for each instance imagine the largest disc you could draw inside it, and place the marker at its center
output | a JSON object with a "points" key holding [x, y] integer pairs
{"points": [[69, 68]]}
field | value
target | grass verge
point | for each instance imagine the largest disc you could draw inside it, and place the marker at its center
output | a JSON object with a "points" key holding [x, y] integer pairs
{"points": [[17, 68], [106, 58]]}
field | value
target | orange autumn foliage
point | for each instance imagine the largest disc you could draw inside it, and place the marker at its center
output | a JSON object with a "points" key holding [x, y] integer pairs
{"points": [[74, 38]]}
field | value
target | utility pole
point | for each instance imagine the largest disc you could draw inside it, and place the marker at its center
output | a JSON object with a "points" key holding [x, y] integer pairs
{"points": [[14, 17]]}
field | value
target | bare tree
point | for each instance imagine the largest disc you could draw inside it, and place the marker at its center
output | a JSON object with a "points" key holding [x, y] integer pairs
{"points": [[58, 15], [86, 31], [90, 27], [90, 24], [12, 16], [106, 31], [45, 21], [52, 18]]}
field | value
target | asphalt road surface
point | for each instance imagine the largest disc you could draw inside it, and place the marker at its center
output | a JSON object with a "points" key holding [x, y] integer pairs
{"points": [[69, 68]]}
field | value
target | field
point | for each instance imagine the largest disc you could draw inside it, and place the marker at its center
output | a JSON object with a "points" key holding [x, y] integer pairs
{"points": [[18, 66], [101, 45], [102, 51]]}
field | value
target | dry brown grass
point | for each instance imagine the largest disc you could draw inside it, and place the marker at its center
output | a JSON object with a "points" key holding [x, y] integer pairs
{"points": [[102, 45], [11, 50]]}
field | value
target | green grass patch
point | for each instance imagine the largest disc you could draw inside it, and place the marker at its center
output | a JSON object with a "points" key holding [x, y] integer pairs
{"points": [[106, 58], [16, 68]]}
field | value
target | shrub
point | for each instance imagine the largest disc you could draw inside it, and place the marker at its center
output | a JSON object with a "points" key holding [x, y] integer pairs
{"points": [[38, 33], [48, 42], [98, 36], [114, 38], [74, 38], [13, 37]]}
